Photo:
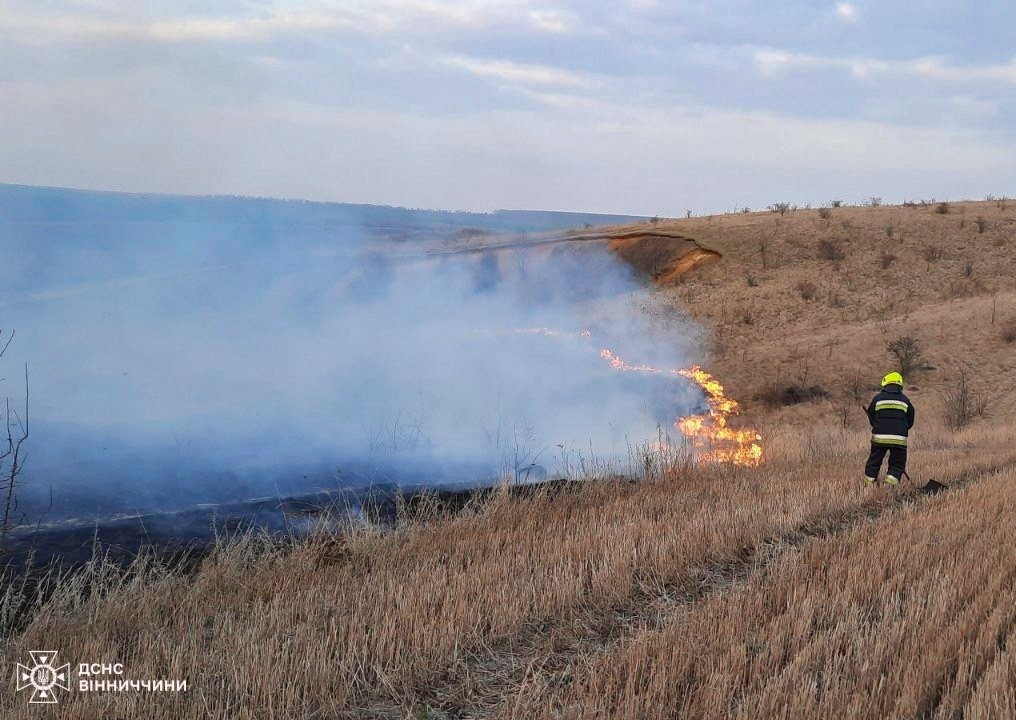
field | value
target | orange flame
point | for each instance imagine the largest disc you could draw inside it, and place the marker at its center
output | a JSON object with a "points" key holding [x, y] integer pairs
{"points": [[708, 432]]}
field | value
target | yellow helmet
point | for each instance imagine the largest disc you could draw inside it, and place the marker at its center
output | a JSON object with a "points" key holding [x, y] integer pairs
{"points": [[893, 378]]}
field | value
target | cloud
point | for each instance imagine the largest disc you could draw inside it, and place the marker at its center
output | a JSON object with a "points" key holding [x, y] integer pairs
{"points": [[278, 19], [772, 61], [846, 11], [516, 73], [151, 87]]}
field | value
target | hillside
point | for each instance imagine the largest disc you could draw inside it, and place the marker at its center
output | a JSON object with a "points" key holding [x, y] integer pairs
{"points": [[22, 204], [806, 300], [677, 590]]}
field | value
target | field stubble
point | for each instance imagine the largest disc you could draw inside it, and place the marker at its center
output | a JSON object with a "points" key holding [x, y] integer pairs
{"points": [[518, 605]]}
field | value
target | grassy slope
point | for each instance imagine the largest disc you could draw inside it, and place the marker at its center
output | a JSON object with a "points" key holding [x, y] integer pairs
{"points": [[717, 591]]}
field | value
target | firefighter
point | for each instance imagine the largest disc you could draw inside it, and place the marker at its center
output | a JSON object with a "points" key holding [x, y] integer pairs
{"points": [[891, 415]]}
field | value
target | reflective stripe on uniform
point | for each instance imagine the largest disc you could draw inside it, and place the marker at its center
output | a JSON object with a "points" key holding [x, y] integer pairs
{"points": [[898, 440], [891, 405], [892, 480]]}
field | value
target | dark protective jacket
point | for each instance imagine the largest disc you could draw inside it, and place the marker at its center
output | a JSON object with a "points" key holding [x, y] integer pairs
{"points": [[891, 415]]}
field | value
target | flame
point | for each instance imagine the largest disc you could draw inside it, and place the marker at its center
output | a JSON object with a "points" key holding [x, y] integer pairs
{"points": [[708, 432]]}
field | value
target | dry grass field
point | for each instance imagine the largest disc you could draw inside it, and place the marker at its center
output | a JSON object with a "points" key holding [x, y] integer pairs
{"points": [[785, 590]]}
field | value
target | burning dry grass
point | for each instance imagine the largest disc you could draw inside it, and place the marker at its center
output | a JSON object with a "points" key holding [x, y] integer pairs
{"points": [[463, 613]]}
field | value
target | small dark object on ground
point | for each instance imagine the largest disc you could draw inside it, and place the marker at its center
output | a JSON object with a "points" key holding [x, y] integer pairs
{"points": [[933, 487]]}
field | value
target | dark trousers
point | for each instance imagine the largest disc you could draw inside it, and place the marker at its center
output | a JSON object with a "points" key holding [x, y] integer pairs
{"points": [[897, 460]]}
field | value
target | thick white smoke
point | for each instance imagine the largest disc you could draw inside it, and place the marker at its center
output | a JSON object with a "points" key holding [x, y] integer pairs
{"points": [[179, 370]]}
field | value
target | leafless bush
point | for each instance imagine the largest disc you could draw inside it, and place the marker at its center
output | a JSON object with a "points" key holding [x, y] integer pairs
{"points": [[807, 289], [832, 250], [963, 289], [855, 385], [873, 202], [762, 247], [962, 403], [907, 351], [836, 203], [887, 259], [890, 231], [943, 208], [981, 224], [933, 252], [1009, 332], [751, 280], [780, 207], [968, 268], [12, 455], [825, 213]]}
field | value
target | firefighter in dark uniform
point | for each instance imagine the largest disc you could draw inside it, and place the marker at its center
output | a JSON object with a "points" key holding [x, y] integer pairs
{"points": [[891, 415]]}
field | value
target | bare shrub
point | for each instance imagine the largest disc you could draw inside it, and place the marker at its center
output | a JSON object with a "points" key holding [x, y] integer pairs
{"points": [[887, 259], [933, 253], [873, 202], [1009, 332], [943, 208], [836, 203], [12, 455], [964, 288], [825, 213], [890, 231], [780, 207], [807, 289], [907, 351], [962, 402], [968, 268], [832, 250], [981, 224], [855, 385], [752, 280]]}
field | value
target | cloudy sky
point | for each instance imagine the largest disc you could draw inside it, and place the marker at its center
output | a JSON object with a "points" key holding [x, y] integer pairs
{"points": [[639, 106]]}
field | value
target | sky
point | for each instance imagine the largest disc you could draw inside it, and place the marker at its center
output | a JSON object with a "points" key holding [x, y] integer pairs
{"points": [[627, 106]]}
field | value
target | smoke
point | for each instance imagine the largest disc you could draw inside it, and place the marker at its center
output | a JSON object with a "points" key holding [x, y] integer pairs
{"points": [[180, 364]]}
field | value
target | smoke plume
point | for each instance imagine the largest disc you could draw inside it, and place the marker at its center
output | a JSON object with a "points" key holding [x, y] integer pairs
{"points": [[181, 363]]}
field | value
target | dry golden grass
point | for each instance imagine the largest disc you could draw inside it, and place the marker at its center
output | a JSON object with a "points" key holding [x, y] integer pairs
{"points": [[787, 590], [912, 615], [457, 613]]}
